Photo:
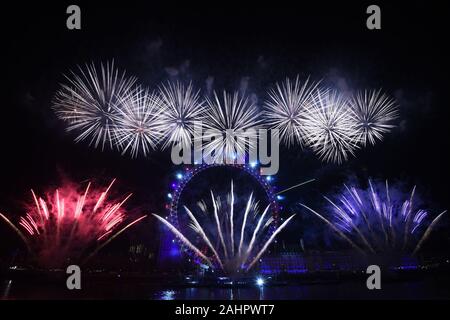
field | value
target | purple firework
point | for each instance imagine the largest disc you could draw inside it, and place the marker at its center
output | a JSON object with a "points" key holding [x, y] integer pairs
{"points": [[379, 219]]}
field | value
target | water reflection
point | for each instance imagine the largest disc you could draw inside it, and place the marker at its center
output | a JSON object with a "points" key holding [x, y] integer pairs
{"points": [[6, 288], [261, 293], [257, 293], [166, 295], [356, 290], [427, 288]]}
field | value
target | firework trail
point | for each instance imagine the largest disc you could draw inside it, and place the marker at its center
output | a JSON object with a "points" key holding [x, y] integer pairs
{"points": [[115, 235], [373, 113], [285, 109], [231, 125], [234, 240], [428, 231], [329, 127], [181, 107], [183, 239], [296, 186], [19, 233], [67, 222], [89, 102], [378, 218], [332, 226], [138, 126]]}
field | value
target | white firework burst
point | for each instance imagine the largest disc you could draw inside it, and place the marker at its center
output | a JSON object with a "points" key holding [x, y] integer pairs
{"points": [[181, 107], [88, 102], [330, 129], [373, 113], [231, 125], [235, 239], [138, 127], [285, 108]]}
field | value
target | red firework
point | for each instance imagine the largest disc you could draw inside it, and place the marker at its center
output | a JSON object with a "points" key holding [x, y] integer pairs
{"points": [[68, 221]]}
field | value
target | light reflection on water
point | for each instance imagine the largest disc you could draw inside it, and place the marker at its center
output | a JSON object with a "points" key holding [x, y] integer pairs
{"points": [[211, 293], [405, 290], [166, 295], [6, 288], [430, 288]]}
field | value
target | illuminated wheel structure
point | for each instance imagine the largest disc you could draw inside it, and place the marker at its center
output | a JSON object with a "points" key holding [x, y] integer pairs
{"points": [[189, 172]]}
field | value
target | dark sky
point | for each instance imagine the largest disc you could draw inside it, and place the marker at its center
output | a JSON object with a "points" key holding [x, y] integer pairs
{"points": [[234, 43]]}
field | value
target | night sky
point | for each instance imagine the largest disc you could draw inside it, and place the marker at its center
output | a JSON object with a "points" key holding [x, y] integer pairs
{"points": [[253, 45]]}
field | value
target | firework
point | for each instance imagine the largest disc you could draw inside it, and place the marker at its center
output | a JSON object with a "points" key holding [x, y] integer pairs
{"points": [[373, 113], [231, 125], [379, 219], [233, 241], [138, 126], [329, 127], [330, 124], [181, 106], [285, 109], [89, 101], [67, 222]]}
